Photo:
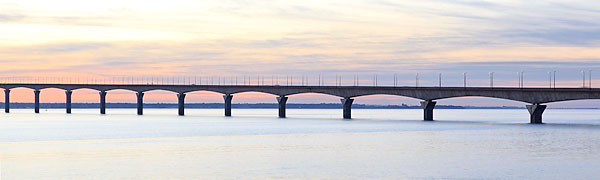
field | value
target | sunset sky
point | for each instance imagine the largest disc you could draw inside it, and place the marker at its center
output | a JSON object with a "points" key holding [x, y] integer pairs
{"points": [[234, 38]]}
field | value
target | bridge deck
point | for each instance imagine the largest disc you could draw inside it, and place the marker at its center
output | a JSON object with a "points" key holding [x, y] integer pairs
{"points": [[534, 96]]}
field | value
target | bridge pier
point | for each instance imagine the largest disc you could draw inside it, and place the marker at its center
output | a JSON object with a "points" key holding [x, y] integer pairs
{"points": [[68, 102], [181, 103], [102, 102], [140, 103], [535, 112], [6, 100], [282, 100], [347, 106], [227, 99], [36, 103], [428, 106]]}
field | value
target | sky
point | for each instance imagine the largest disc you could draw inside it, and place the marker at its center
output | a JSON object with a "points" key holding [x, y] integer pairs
{"points": [[77, 41]]}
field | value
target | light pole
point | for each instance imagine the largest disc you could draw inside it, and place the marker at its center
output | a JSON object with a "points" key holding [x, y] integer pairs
{"points": [[440, 79], [550, 79], [554, 79], [492, 79], [375, 80], [583, 77], [417, 80], [395, 80], [465, 79], [521, 79], [519, 76], [590, 79]]}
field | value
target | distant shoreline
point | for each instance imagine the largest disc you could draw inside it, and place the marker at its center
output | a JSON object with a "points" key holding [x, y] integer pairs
{"points": [[246, 106]]}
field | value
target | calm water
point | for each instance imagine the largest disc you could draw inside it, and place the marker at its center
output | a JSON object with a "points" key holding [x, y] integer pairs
{"points": [[311, 144]]}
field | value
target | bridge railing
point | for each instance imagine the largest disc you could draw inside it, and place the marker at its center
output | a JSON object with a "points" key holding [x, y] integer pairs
{"points": [[389, 80]]}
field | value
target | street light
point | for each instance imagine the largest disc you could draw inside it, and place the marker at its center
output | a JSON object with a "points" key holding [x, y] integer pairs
{"points": [[465, 79], [522, 79], [583, 77], [491, 79], [440, 79], [521, 83], [417, 80], [374, 79], [395, 80], [550, 79], [554, 77], [590, 79]]}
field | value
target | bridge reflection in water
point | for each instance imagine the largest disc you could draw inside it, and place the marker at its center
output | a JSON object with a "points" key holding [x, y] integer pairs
{"points": [[536, 97]]}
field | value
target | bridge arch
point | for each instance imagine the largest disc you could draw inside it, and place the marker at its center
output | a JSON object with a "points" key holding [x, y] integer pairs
{"points": [[315, 92], [160, 89], [264, 102], [255, 91], [391, 99], [20, 87], [387, 94], [21, 94], [482, 97], [203, 96], [256, 95], [163, 95], [121, 89], [58, 94], [203, 90], [85, 88], [313, 97], [51, 87], [123, 95]]}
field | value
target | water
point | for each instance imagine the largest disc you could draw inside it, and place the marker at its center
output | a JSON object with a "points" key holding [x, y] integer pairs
{"points": [[310, 144]]}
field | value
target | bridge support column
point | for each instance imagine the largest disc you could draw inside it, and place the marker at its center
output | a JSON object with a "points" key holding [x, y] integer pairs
{"points": [[428, 106], [68, 102], [37, 101], [140, 103], [7, 100], [535, 112], [347, 106], [228, 98], [102, 102], [181, 103], [282, 100]]}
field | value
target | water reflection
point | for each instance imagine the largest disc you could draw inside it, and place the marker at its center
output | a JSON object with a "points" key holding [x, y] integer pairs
{"points": [[311, 144]]}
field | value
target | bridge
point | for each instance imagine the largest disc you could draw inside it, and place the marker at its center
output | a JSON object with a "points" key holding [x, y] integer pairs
{"points": [[535, 97]]}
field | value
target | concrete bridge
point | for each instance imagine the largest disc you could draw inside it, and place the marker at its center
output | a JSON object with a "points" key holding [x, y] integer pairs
{"points": [[536, 97]]}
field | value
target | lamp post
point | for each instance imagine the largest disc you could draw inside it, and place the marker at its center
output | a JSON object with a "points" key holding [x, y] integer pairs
{"points": [[519, 76], [583, 77], [465, 79], [550, 79], [521, 83], [375, 80], [395, 80], [417, 80], [440, 79], [492, 79], [554, 79], [590, 79]]}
